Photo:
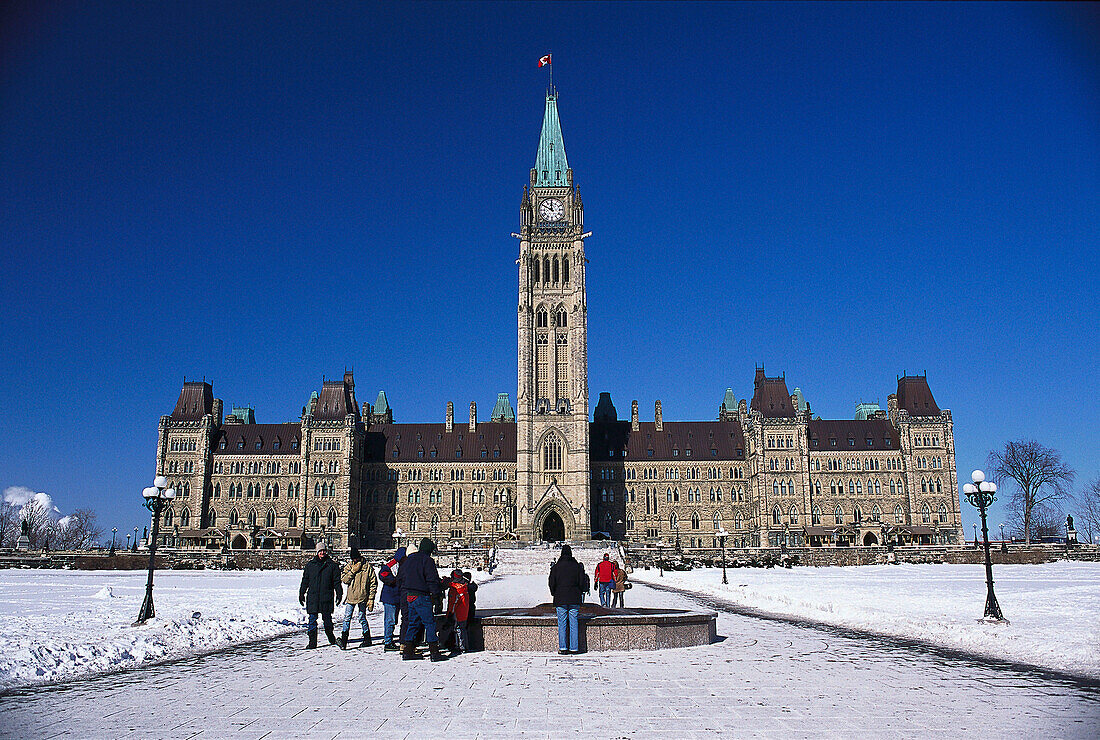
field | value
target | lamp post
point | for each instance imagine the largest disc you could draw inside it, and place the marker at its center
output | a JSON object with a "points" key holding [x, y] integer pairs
{"points": [[981, 493], [156, 496], [722, 534], [114, 531], [660, 553], [975, 527], [135, 539], [397, 536], [1004, 545], [619, 524], [127, 540]]}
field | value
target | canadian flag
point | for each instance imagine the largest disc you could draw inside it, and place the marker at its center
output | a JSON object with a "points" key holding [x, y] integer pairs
{"points": [[544, 61]]}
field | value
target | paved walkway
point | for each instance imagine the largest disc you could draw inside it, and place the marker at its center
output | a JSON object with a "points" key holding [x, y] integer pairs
{"points": [[764, 679]]}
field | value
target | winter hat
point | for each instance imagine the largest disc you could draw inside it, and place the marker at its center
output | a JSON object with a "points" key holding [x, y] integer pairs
{"points": [[566, 552], [426, 546], [322, 547], [400, 554], [355, 553]]}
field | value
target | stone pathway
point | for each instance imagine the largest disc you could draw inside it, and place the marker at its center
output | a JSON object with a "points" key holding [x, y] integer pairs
{"points": [[767, 679]]}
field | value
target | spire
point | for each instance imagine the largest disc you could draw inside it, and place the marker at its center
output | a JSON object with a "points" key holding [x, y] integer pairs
{"points": [[551, 166]]}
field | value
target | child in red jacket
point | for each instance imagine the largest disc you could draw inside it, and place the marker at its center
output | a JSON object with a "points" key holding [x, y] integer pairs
{"points": [[458, 606]]}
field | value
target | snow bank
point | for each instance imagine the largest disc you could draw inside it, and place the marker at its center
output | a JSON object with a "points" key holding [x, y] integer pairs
{"points": [[1053, 609]]}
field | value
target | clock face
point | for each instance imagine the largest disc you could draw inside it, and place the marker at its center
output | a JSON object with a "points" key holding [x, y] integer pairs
{"points": [[551, 209]]}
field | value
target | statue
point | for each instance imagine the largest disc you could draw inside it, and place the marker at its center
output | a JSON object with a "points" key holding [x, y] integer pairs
{"points": [[1069, 521], [26, 529]]}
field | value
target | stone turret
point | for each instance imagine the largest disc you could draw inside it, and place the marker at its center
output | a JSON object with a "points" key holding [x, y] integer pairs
{"points": [[473, 416], [450, 416], [658, 422], [634, 425]]}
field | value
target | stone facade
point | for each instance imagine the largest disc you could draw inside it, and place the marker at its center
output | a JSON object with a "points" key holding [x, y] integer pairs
{"points": [[765, 473]]}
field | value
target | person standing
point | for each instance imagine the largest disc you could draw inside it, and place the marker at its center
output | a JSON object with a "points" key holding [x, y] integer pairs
{"points": [[619, 588], [605, 578], [458, 606], [390, 598], [320, 580], [362, 585], [419, 578], [567, 589]]}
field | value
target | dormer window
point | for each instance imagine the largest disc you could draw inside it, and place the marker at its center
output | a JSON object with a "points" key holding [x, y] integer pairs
{"points": [[259, 444], [240, 443], [294, 443], [276, 444], [221, 445]]}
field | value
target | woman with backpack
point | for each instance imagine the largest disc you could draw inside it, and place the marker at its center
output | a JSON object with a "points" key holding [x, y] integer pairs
{"points": [[568, 584]]}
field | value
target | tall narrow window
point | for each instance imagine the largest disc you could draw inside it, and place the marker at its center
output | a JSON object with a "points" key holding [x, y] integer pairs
{"points": [[535, 269], [552, 453], [565, 269]]}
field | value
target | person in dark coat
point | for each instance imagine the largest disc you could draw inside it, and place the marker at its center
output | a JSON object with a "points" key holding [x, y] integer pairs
{"points": [[419, 578], [320, 580], [567, 586], [391, 597]]}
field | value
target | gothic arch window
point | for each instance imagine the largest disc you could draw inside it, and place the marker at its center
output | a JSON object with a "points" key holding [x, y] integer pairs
{"points": [[168, 517], [857, 515], [815, 516], [737, 520], [939, 486], [372, 524], [392, 522], [317, 490], [252, 517], [535, 269], [217, 490], [565, 271], [212, 518], [838, 515], [777, 515], [775, 488], [899, 515], [695, 520], [234, 518], [541, 318], [292, 518], [878, 488], [477, 522], [269, 520], [672, 522], [876, 513], [792, 515], [859, 488], [925, 514], [276, 490], [554, 266], [315, 518], [552, 453], [817, 487], [498, 525], [185, 517], [717, 521], [414, 522], [562, 318], [331, 518], [546, 270], [943, 514]]}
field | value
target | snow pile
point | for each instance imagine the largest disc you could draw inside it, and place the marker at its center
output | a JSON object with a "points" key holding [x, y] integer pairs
{"points": [[1053, 609], [61, 625]]}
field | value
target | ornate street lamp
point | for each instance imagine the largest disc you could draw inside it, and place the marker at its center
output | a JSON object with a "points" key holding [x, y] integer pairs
{"points": [[660, 554], [1004, 546], [981, 493], [722, 534], [619, 524], [114, 531], [975, 526], [135, 539], [127, 540], [156, 496]]}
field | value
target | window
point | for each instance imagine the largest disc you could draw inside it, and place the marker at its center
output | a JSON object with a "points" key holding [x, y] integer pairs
{"points": [[695, 520], [552, 453], [838, 515], [925, 514], [477, 522], [292, 518], [815, 517], [331, 518], [792, 515], [414, 522], [673, 523], [168, 517], [777, 516], [269, 520], [234, 518]]}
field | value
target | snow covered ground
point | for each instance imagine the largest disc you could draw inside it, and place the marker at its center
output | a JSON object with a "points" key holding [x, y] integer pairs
{"points": [[61, 625], [1053, 609]]}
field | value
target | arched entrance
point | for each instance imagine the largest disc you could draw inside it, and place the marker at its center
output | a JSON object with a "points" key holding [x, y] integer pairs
{"points": [[553, 528], [869, 539], [240, 543]]}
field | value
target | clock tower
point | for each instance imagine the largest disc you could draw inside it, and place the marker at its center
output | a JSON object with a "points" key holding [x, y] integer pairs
{"points": [[552, 463]]}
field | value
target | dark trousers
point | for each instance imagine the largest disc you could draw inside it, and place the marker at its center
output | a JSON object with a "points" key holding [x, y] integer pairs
{"points": [[420, 615], [312, 626]]}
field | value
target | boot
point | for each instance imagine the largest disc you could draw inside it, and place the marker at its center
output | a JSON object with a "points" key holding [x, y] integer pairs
{"points": [[391, 647], [409, 652], [436, 655], [312, 641], [344, 640], [331, 635], [366, 639]]}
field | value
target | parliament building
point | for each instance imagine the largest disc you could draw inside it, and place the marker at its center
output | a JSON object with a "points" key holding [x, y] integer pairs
{"points": [[766, 471]]}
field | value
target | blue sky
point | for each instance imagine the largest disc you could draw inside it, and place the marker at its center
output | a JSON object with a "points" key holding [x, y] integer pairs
{"points": [[265, 193]]}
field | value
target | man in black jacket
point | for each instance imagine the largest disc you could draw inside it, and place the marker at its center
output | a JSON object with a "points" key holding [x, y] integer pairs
{"points": [[320, 580], [567, 586], [419, 580]]}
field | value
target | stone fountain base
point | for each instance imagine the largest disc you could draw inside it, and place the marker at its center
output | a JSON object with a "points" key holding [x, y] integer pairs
{"points": [[535, 629]]}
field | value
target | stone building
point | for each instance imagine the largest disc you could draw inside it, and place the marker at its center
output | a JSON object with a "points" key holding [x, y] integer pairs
{"points": [[767, 472]]}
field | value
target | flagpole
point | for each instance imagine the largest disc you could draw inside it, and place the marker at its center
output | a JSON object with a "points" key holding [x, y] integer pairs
{"points": [[551, 66]]}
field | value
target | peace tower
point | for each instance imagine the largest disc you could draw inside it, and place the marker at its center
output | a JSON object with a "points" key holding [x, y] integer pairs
{"points": [[552, 470]]}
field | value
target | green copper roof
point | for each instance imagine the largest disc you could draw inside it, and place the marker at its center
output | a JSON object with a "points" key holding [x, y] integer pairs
{"points": [[503, 410], [550, 163], [381, 405], [729, 403], [246, 414]]}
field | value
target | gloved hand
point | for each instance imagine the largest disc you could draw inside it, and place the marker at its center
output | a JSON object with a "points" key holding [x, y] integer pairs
{"points": [[302, 600]]}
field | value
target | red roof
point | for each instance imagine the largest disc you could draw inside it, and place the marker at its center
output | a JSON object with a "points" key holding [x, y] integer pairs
{"points": [[852, 434], [336, 401], [915, 396], [770, 396], [196, 400], [258, 439], [493, 441], [682, 441]]}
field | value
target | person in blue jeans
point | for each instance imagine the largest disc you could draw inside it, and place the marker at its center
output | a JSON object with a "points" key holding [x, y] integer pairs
{"points": [[391, 597], [419, 580], [567, 588], [605, 577]]}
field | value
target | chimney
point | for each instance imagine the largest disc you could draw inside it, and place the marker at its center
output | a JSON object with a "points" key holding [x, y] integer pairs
{"points": [[217, 411], [450, 416], [892, 407], [634, 426], [349, 379], [473, 416], [657, 421], [366, 410]]}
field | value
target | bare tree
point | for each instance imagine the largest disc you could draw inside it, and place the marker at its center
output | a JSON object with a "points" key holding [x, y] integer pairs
{"points": [[1088, 511], [1040, 475], [78, 532], [38, 522], [9, 525]]}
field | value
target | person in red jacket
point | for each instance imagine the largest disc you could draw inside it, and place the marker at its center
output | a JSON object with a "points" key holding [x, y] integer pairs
{"points": [[605, 577], [458, 606]]}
